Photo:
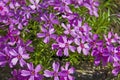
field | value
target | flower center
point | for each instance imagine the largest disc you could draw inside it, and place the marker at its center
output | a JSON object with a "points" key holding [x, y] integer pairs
{"points": [[55, 74], [33, 72], [47, 34], [66, 44], [82, 45], [7, 57], [19, 56], [81, 29], [1, 8], [109, 40]]}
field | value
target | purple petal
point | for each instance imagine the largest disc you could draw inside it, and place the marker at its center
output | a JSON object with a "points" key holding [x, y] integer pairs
{"points": [[22, 62], [72, 48], [14, 61], [66, 53], [38, 68], [47, 39], [30, 66], [79, 49], [115, 71], [20, 50], [48, 73], [40, 35], [31, 78], [85, 52], [13, 52], [59, 52], [71, 70], [25, 56], [25, 73], [56, 66], [56, 78]]}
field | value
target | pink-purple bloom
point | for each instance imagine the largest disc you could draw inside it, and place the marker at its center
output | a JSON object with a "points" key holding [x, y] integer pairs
{"points": [[31, 72], [19, 54]]}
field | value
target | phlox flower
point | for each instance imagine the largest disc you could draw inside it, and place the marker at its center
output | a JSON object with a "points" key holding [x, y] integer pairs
{"points": [[19, 55], [63, 43], [116, 69], [32, 73], [82, 46], [47, 34], [54, 73], [49, 19], [66, 72]]}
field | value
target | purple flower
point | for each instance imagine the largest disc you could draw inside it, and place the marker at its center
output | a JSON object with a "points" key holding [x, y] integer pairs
{"points": [[5, 57], [92, 6], [110, 38], [82, 29], [49, 19], [47, 34], [63, 43], [82, 46], [68, 30], [54, 73], [98, 53], [116, 69], [95, 42], [19, 55], [35, 4], [16, 75], [66, 72], [61, 6], [31, 72], [3, 9], [110, 53]]}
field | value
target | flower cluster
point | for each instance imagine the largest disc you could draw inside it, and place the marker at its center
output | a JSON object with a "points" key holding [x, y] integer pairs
{"points": [[77, 36]]}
